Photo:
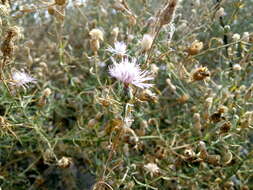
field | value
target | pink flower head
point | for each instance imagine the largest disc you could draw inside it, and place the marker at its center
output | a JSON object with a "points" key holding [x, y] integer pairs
{"points": [[21, 79], [129, 72]]}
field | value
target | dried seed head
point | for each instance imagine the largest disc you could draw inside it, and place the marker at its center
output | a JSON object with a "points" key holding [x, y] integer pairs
{"points": [[64, 162], [184, 98], [95, 45], [7, 48], [225, 127], [203, 152], [146, 42], [60, 2], [14, 33], [197, 124], [47, 92], [51, 10], [223, 109], [167, 14], [195, 47], [147, 95], [96, 34], [189, 153], [213, 159], [216, 117], [115, 33], [220, 13], [200, 74]]}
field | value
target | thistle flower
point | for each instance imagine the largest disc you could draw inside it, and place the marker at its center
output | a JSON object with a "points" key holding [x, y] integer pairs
{"points": [[152, 168], [129, 72], [119, 48], [21, 79]]}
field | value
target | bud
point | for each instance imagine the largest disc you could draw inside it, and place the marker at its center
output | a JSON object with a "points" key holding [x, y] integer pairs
{"points": [[197, 124], [146, 42], [92, 123], [171, 86], [115, 33], [47, 92], [237, 67], [154, 68]]}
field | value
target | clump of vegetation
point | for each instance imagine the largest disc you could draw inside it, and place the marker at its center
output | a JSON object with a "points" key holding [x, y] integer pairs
{"points": [[125, 94]]}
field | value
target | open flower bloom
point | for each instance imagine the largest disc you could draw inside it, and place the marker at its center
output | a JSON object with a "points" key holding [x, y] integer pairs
{"points": [[129, 72], [21, 79], [152, 168], [119, 48]]}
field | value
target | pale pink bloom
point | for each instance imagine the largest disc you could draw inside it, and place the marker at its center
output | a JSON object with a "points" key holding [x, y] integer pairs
{"points": [[129, 72], [21, 79], [119, 48]]}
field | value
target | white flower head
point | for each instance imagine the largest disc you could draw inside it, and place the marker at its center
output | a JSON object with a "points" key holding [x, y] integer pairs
{"points": [[152, 168], [21, 79], [129, 72], [119, 48]]}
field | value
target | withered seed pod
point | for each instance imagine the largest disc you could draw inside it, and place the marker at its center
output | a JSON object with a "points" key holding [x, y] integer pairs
{"points": [[60, 2]]}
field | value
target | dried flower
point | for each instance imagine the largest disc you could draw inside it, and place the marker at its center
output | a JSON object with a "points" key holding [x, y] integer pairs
{"points": [[146, 42], [168, 13], [195, 47], [60, 2], [152, 168], [64, 162], [129, 72], [200, 74], [22, 79], [220, 12], [119, 49], [96, 34]]}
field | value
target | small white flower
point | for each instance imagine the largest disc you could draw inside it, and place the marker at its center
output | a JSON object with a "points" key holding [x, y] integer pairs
{"points": [[152, 168], [21, 79], [236, 37], [119, 48], [129, 72]]}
